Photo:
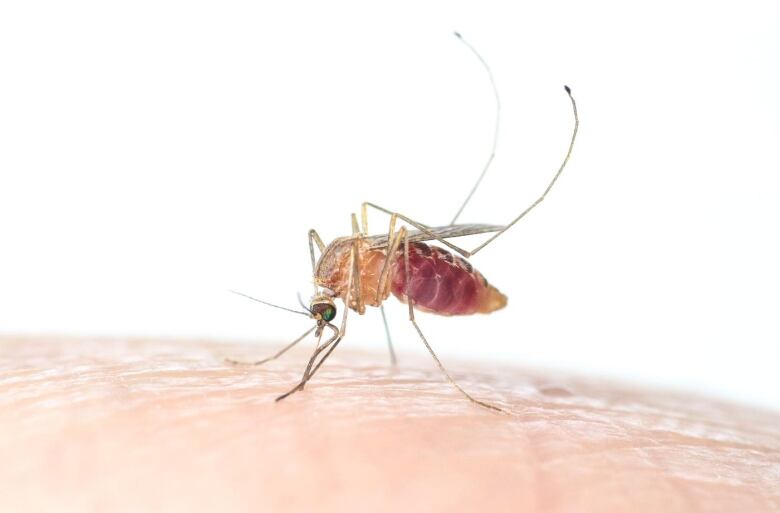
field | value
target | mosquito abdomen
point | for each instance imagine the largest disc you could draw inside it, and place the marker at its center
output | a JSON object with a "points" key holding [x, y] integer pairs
{"points": [[442, 283]]}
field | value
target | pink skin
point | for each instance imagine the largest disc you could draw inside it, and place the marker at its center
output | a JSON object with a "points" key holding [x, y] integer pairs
{"points": [[161, 425]]}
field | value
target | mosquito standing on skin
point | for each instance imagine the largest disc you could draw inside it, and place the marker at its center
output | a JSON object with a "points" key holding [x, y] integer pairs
{"points": [[363, 270]]}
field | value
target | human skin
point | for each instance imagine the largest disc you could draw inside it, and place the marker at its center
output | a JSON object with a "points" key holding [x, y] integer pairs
{"points": [[167, 425]]}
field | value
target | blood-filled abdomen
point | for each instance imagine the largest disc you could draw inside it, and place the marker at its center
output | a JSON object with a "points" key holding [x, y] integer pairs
{"points": [[442, 283]]}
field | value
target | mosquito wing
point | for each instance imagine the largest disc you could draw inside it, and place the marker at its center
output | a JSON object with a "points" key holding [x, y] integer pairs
{"points": [[442, 232]]}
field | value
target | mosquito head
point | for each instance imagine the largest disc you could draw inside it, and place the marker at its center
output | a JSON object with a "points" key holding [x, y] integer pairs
{"points": [[323, 309]]}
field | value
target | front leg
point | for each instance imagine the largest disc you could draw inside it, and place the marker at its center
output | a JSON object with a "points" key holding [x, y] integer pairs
{"points": [[275, 356], [331, 344]]}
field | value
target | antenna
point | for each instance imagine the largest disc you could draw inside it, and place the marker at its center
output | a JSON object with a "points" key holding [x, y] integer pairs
{"points": [[270, 304]]}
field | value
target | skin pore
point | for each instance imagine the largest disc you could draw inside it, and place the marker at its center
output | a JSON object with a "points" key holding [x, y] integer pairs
{"points": [[166, 425]]}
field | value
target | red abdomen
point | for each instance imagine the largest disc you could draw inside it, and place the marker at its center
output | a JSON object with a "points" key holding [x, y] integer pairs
{"points": [[442, 283]]}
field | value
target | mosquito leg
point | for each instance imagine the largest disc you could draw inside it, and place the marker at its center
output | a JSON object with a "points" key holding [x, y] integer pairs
{"points": [[355, 226], [274, 357], [315, 238], [364, 219], [384, 276], [338, 334], [332, 343], [317, 351], [427, 230], [319, 364], [393, 359], [308, 373], [356, 267], [422, 227], [384, 279], [410, 302]]}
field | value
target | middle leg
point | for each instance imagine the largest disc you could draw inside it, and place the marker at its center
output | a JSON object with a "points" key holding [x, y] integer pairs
{"points": [[393, 359], [384, 278]]}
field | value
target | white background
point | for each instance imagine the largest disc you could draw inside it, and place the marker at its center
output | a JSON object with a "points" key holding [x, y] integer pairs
{"points": [[154, 154]]}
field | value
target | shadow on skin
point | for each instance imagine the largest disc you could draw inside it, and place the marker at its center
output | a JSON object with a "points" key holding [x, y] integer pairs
{"points": [[112, 425]]}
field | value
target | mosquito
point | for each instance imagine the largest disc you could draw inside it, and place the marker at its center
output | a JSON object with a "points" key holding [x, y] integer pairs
{"points": [[363, 270]]}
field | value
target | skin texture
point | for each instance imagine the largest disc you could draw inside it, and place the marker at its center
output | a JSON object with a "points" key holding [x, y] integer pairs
{"points": [[162, 425]]}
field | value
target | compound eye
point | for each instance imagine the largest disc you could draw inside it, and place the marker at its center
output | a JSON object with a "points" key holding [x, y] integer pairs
{"points": [[329, 314], [326, 311]]}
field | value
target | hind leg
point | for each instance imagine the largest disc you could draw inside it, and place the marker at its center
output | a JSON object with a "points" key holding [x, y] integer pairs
{"points": [[410, 302]]}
